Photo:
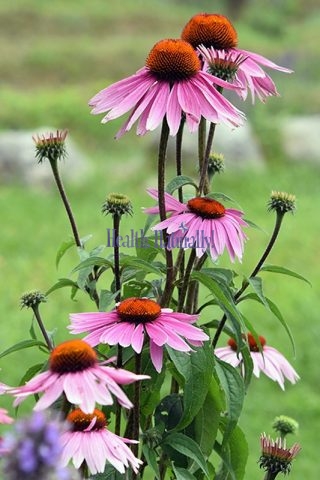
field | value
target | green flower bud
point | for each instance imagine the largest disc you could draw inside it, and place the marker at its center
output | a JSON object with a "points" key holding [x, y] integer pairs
{"points": [[51, 146], [117, 204], [282, 202], [215, 164], [32, 299], [284, 425]]}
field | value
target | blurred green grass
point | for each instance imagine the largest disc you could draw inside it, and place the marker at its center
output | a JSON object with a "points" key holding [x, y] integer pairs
{"points": [[56, 55]]}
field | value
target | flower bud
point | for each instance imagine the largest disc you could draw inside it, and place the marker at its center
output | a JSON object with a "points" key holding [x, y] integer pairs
{"points": [[117, 204], [32, 299], [51, 146], [282, 202], [284, 425]]}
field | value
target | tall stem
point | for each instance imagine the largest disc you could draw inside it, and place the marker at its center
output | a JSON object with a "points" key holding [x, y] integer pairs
{"points": [[270, 476], [162, 210], [255, 271], [64, 198], [201, 146], [67, 206], [204, 180], [136, 407], [116, 256], [186, 279], [36, 312]]}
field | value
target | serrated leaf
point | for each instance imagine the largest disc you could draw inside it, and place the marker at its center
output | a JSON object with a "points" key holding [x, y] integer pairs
{"points": [[284, 271], [178, 182], [22, 345], [188, 447], [233, 386], [61, 283], [63, 248], [196, 369], [106, 298], [234, 456]]}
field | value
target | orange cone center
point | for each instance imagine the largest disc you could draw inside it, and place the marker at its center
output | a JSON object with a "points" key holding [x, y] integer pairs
{"points": [[138, 310], [206, 207], [210, 30], [72, 356], [173, 60]]}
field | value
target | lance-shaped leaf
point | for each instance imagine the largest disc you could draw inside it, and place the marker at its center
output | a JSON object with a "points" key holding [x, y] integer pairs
{"points": [[196, 369]]}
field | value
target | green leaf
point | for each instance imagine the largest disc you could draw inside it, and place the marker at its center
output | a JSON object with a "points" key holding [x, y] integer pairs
{"points": [[284, 271], [196, 369], [182, 474], [92, 262], [106, 297], [139, 264], [178, 182], [256, 284], [151, 458], [63, 248], [61, 283], [188, 447], [233, 386], [31, 372], [234, 456], [207, 420], [276, 312], [225, 300], [22, 345]]}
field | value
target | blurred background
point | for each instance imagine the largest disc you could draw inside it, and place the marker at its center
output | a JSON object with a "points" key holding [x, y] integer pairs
{"points": [[55, 55]]}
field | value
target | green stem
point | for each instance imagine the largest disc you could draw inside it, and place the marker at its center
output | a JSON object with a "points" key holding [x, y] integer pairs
{"points": [[255, 271], [64, 198], [36, 312], [186, 280], [67, 206], [179, 155], [204, 185], [116, 257], [165, 300], [201, 147], [192, 300], [136, 409], [270, 476]]}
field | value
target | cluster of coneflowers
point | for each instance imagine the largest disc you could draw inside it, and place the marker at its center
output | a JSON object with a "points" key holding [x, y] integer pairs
{"points": [[181, 84]]}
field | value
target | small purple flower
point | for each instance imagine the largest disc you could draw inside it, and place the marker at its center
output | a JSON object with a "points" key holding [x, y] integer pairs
{"points": [[34, 450]]}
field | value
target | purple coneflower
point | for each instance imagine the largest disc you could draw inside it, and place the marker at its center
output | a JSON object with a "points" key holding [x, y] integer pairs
{"points": [[137, 318], [216, 40], [170, 85], [90, 441], [267, 360], [202, 223], [74, 370]]}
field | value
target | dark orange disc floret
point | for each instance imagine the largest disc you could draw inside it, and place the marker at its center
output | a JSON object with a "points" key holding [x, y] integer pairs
{"points": [[253, 346], [206, 207], [210, 30], [80, 421], [72, 356], [173, 60], [138, 310]]}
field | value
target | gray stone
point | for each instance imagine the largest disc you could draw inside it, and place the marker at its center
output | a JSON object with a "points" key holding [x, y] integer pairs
{"points": [[18, 162], [301, 138]]}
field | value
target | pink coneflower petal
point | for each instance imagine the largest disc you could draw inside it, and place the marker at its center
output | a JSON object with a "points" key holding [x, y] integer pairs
{"points": [[170, 85], [138, 320], [268, 361], [90, 441], [204, 224], [75, 371]]}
